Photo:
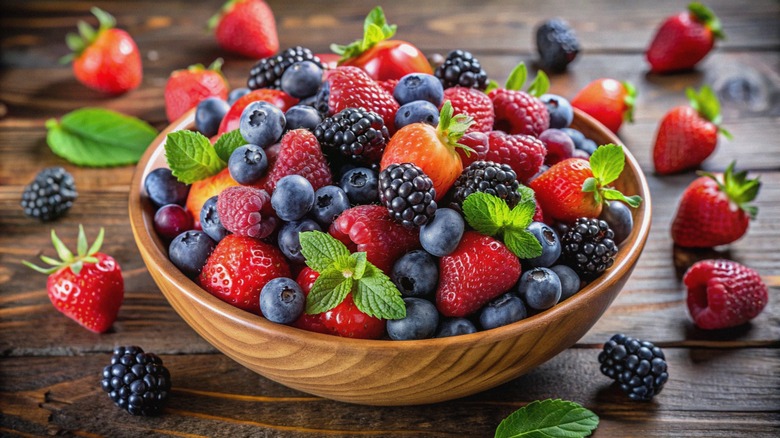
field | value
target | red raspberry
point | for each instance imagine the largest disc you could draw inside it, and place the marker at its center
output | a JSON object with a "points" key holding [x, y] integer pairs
{"points": [[523, 153], [299, 154], [246, 211], [475, 140], [517, 112], [351, 87], [723, 293], [473, 103]]}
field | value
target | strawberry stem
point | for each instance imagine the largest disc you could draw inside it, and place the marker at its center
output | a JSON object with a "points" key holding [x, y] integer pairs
{"points": [[705, 15], [375, 29], [706, 103], [629, 100], [67, 259], [738, 188], [452, 128]]}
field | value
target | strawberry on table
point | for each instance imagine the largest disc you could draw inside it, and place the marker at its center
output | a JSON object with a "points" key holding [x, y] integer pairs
{"points": [[246, 27], [607, 100], [715, 210], [187, 87], [351, 87], [517, 111], [86, 287]]}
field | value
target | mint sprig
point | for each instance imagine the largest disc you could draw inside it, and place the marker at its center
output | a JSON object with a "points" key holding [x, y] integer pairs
{"points": [[517, 78], [227, 143], [342, 273], [191, 157], [607, 163], [549, 418]]}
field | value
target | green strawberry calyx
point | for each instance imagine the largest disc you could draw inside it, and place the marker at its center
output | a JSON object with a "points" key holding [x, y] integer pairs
{"points": [[226, 8], [706, 103], [607, 163], [629, 100], [452, 127], [375, 29], [84, 254], [704, 15], [738, 188], [87, 35], [517, 79]]}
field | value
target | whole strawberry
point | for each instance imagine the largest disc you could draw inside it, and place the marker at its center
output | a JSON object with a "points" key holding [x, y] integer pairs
{"points": [[517, 111], [607, 100], [347, 321], [246, 27], [688, 135], [106, 59], [351, 87], [684, 39], [723, 294], [714, 211], [186, 88], [87, 287], [299, 154]]}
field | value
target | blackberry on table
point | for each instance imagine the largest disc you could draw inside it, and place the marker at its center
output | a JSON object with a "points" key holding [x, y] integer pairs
{"points": [[267, 72], [639, 367], [589, 247], [487, 177], [359, 135], [461, 68], [408, 194], [50, 195], [137, 382]]}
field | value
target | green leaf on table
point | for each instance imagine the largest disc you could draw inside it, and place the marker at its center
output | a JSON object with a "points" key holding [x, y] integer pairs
{"points": [[549, 419], [227, 143], [191, 157]]}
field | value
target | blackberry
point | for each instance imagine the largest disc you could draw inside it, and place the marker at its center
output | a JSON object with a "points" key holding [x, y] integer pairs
{"points": [[408, 194], [358, 134], [461, 68], [589, 247], [267, 72], [50, 195], [639, 367], [487, 177], [557, 45], [137, 382]]}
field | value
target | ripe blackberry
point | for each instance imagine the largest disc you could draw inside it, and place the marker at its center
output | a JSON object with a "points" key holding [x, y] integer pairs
{"points": [[487, 177], [267, 72], [638, 366], [408, 194], [50, 195], [557, 44], [463, 69], [358, 134], [137, 382], [588, 247]]}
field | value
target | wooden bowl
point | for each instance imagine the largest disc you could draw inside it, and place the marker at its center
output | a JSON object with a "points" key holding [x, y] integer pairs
{"points": [[384, 372]]}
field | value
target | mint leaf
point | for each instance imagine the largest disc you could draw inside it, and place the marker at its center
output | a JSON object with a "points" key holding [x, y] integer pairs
{"points": [[321, 249], [615, 195], [607, 163], [227, 143], [522, 243], [526, 194], [98, 137], [377, 296], [517, 77], [191, 157], [549, 418], [345, 264], [539, 85], [360, 264], [328, 291], [485, 213], [522, 215]]}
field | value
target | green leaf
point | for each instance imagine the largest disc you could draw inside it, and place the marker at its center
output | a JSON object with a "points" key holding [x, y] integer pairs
{"points": [[522, 215], [522, 243], [345, 264], [328, 291], [705, 15], [191, 157], [540, 84], [517, 77], [62, 251], [486, 213], [491, 85], [86, 31], [549, 419], [607, 163], [377, 296], [99, 137], [590, 185], [105, 19], [81, 242], [629, 100], [526, 194], [360, 264], [615, 195], [97, 243], [227, 143], [706, 103], [321, 250], [39, 269]]}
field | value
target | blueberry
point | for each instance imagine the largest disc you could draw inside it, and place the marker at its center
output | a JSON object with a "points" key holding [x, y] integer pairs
{"points": [[576, 136], [163, 188], [302, 79], [293, 197], [289, 238], [247, 164], [420, 322], [588, 146], [416, 274], [505, 309], [560, 110], [329, 202], [282, 301], [618, 215], [361, 185], [540, 288], [551, 245], [302, 116], [454, 327], [209, 114], [209, 220], [417, 111], [419, 86], [570, 281], [262, 123], [190, 250], [237, 93], [442, 235]]}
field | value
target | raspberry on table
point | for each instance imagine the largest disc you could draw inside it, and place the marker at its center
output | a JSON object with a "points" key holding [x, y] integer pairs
{"points": [[136, 381], [50, 195], [267, 72], [639, 367]]}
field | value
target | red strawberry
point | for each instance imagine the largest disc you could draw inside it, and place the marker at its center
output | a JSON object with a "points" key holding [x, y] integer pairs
{"points": [[684, 39], [688, 135], [473, 103], [233, 117], [724, 293], [348, 321], [312, 323], [106, 59], [714, 211], [517, 111], [239, 267], [201, 191], [388, 85], [479, 144], [246, 211], [607, 100], [370, 228], [186, 88], [246, 27], [88, 287], [299, 154], [523, 153], [351, 87], [480, 269]]}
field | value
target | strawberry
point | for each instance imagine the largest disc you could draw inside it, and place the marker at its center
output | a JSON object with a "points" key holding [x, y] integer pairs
{"points": [[370, 229], [246, 211], [346, 320], [684, 39], [479, 144], [473, 103], [233, 117], [88, 287], [312, 323], [246, 27], [607, 100], [201, 191], [388, 85], [351, 87], [523, 153], [723, 294], [239, 267], [688, 135], [517, 111], [480, 269], [714, 211], [432, 149], [106, 59], [299, 154], [187, 87]]}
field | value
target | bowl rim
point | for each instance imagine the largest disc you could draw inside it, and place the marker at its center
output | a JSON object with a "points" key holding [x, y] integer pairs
{"points": [[146, 239]]}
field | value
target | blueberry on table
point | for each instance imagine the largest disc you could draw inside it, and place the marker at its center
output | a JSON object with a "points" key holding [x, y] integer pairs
{"points": [[190, 250], [209, 114], [282, 301], [416, 274], [361, 185], [551, 245], [163, 188], [262, 123], [454, 327], [442, 234], [209, 220], [557, 45], [505, 309], [419, 86], [418, 111], [289, 238], [302, 79], [248, 164], [420, 322], [329, 202], [540, 288]]}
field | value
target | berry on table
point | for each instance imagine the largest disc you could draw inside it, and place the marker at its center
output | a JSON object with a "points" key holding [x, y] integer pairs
{"points": [[189, 251], [418, 111], [454, 327], [289, 238], [416, 274], [557, 45], [329, 202], [248, 164], [420, 321], [293, 198], [639, 367], [209, 114], [209, 220], [561, 111], [487, 177], [50, 195], [262, 123], [361, 185], [302, 79], [357, 134], [302, 116], [282, 301], [246, 27], [408, 194], [171, 220], [419, 86], [588, 247], [442, 234], [136, 381], [551, 245], [505, 309], [461, 68], [267, 72]]}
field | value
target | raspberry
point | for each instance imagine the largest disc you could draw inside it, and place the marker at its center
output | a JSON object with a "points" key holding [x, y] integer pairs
{"points": [[638, 366], [523, 153], [588, 247], [408, 194], [478, 142], [137, 382], [359, 135], [518, 112], [299, 154], [267, 72], [246, 211], [463, 69], [474, 104], [50, 195], [351, 87], [487, 177]]}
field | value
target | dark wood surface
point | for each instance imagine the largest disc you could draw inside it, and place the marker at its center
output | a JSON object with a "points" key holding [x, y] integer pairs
{"points": [[722, 384]]}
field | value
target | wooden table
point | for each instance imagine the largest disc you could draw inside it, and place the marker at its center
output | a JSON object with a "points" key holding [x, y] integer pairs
{"points": [[722, 384]]}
